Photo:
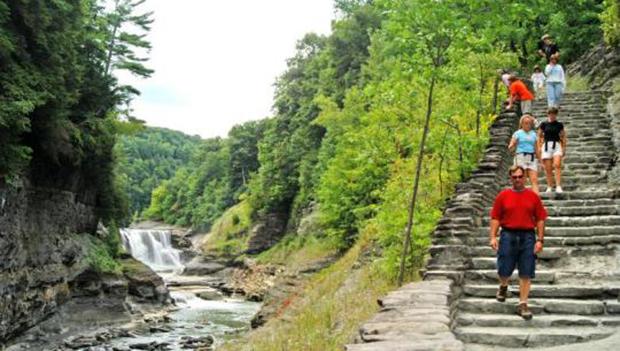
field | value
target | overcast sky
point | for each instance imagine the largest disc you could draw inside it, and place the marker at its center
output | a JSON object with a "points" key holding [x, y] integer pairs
{"points": [[216, 61]]}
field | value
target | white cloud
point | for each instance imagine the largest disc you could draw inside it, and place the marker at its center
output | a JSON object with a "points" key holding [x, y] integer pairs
{"points": [[216, 61]]}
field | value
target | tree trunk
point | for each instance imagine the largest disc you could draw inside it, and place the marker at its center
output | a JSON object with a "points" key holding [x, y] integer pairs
{"points": [[407, 240], [108, 62], [479, 112], [441, 159]]}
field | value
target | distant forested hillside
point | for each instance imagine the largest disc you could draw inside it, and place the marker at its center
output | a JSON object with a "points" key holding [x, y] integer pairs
{"points": [[213, 180], [147, 158]]}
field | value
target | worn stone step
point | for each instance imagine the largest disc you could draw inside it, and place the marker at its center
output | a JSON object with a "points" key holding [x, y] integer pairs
{"points": [[581, 195], [440, 343], [551, 253], [539, 321], [486, 263], [555, 291], [588, 307], [532, 336], [566, 231], [579, 202], [559, 241], [577, 178], [587, 157], [481, 275], [581, 211], [573, 221]]}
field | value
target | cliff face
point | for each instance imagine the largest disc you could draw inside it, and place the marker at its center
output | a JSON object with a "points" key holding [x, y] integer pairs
{"points": [[40, 252]]}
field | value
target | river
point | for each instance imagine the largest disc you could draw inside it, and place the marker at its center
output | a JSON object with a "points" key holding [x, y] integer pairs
{"points": [[194, 317]]}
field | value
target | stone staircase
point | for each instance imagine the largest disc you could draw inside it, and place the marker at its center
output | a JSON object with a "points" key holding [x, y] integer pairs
{"points": [[574, 296], [575, 293]]}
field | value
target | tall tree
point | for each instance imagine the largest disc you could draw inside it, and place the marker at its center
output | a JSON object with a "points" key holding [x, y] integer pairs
{"points": [[127, 46]]}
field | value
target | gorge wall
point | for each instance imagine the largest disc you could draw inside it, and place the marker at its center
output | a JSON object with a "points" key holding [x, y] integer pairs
{"points": [[40, 252]]}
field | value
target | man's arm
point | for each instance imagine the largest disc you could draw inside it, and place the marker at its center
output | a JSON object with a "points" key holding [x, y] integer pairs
{"points": [[540, 231], [493, 233]]}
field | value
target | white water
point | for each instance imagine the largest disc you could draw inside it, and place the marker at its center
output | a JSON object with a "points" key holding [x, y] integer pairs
{"points": [[195, 317], [153, 248]]}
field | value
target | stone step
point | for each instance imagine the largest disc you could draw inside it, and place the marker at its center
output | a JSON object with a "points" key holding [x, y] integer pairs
{"points": [[551, 253], [586, 158], [578, 211], [486, 263], [541, 306], [539, 321], [551, 242], [443, 343], [531, 336], [584, 167], [482, 275], [555, 291], [572, 221], [581, 195], [569, 183], [551, 231], [576, 129]]}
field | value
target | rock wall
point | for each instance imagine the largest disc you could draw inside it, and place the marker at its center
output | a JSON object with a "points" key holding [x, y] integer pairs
{"points": [[40, 252]]}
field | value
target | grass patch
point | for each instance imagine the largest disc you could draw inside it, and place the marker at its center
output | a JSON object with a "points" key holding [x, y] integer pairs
{"points": [[298, 251], [100, 259], [576, 84], [327, 313], [229, 234]]}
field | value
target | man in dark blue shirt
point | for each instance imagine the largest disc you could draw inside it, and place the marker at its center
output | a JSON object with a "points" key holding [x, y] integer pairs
{"points": [[547, 48]]}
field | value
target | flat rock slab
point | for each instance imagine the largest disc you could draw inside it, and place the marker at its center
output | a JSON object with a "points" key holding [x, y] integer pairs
{"points": [[408, 345]]}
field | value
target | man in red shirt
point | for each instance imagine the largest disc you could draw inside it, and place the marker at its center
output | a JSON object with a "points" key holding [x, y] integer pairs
{"points": [[518, 211], [519, 92]]}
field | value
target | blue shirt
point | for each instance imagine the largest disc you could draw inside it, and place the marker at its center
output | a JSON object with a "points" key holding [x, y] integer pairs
{"points": [[526, 141]]}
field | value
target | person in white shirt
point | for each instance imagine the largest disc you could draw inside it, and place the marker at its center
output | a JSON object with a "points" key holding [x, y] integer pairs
{"points": [[556, 82], [538, 79]]}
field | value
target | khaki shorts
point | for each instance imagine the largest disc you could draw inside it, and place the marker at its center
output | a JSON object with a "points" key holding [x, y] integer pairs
{"points": [[527, 161], [551, 151], [526, 106]]}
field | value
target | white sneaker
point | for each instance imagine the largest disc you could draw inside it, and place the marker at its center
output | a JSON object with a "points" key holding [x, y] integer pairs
{"points": [[558, 189], [549, 190]]}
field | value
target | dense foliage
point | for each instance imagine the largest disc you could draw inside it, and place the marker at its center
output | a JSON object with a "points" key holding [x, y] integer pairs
{"points": [[58, 98], [212, 181], [149, 157], [350, 111], [611, 22]]}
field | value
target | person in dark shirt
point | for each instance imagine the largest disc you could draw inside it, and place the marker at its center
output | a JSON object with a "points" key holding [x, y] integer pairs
{"points": [[547, 48], [552, 144], [518, 211]]}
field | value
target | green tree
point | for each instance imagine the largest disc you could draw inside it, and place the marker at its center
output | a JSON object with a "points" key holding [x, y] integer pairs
{"points": [[149, 157], [127, 50]]}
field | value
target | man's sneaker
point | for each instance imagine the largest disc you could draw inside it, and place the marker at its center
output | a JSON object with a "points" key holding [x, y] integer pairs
{"points": [[549, 190], [558, 189], [524, 311], [502, 292]]}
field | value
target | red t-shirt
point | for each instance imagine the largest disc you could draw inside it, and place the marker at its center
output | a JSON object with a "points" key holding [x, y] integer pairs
{"points": [[518, 89], [518, 209]]}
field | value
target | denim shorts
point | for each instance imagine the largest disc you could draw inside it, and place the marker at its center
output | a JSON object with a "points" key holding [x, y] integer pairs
{"points": [[516, 249]]}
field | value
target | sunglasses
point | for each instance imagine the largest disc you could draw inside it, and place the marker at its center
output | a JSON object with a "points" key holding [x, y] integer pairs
{"points": [[516, 177]]}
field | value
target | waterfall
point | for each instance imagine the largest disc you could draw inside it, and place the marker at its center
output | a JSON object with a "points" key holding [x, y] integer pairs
{"points": [[153, 248]]}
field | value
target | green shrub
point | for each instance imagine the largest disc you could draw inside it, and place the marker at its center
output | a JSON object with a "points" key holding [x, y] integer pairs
{"points": [[100, 259], [610, 18]]}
